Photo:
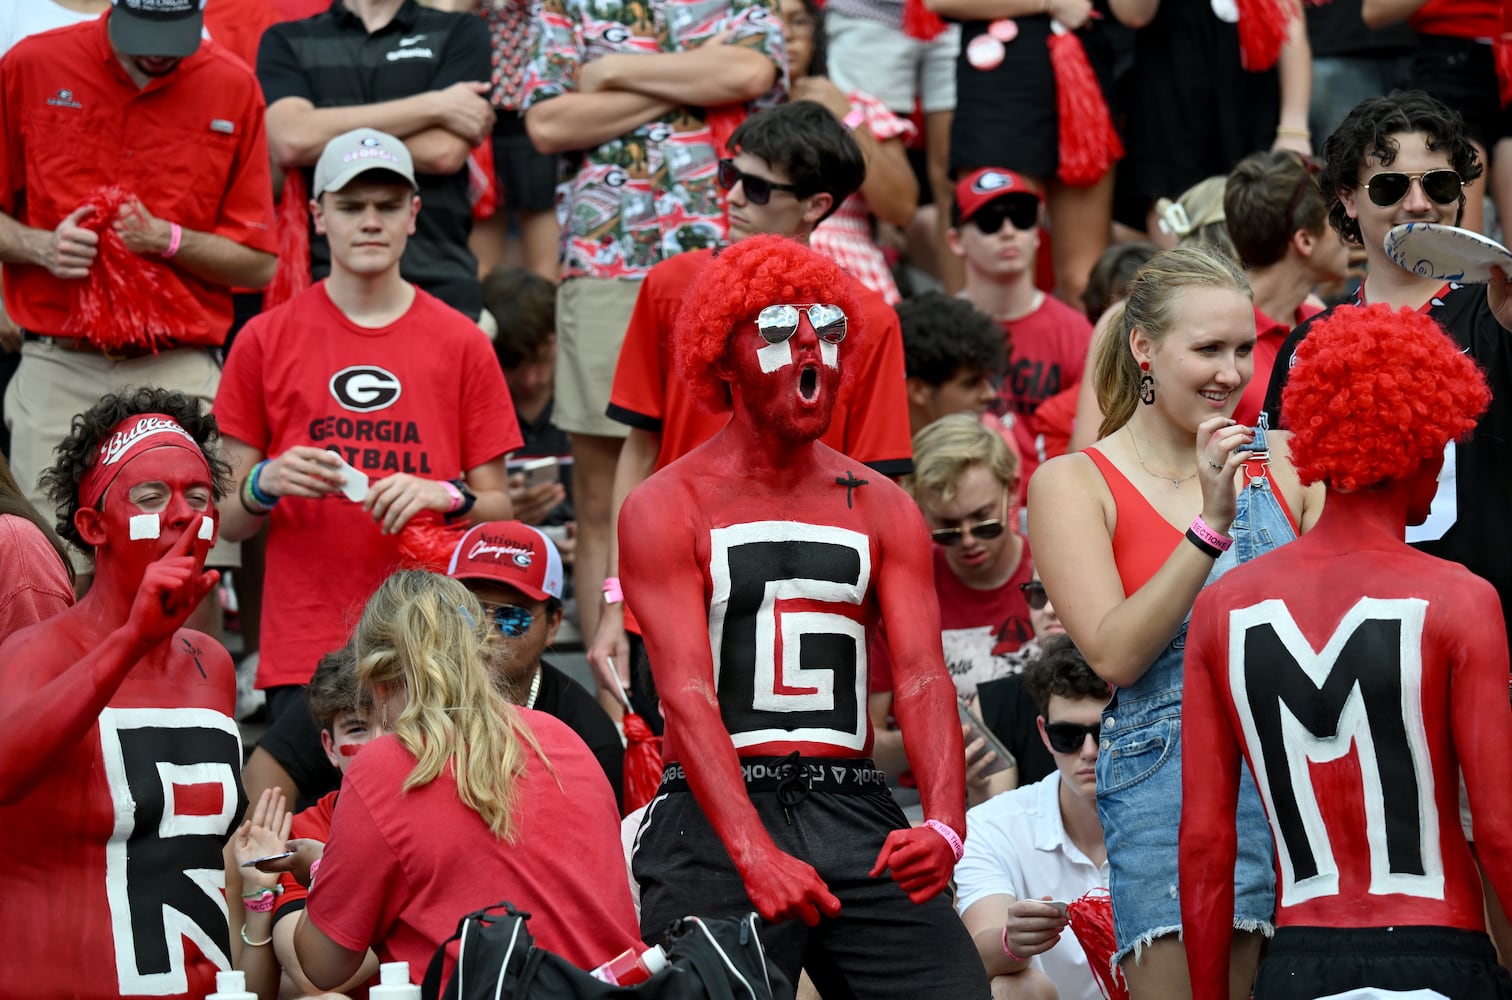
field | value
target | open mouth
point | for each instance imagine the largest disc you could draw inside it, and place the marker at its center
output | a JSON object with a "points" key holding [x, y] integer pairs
{"points": [[808, 384]]}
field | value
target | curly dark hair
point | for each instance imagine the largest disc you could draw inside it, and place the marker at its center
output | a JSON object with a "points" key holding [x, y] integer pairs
{"points": [[79, 450], [1062, 671], [943, 334], [1367, 131], [333, 687]]}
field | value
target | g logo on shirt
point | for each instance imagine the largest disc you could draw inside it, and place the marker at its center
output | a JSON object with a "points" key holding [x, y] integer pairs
{"points": [[365, 388]]}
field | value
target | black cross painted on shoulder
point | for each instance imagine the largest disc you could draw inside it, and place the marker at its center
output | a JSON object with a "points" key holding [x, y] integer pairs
{"points": [[850, 482]]}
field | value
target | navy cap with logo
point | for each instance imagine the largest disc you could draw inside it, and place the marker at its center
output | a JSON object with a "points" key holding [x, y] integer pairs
{"points": [[988, 184], [165, 28]]}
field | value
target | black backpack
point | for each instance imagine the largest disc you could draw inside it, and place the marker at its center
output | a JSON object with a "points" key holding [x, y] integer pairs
{"points": [[497, 959]]}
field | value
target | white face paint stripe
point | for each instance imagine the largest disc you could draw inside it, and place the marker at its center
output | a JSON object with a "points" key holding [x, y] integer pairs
{"points": [[775, 356], [207, 530], [829, 354], [145, 526]]}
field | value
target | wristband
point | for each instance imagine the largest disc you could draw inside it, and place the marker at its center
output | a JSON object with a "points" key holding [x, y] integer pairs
{"points": [[263, 499], [455, 494], [854, 120], [459, 487], [255, 944], [1216, 539], [612, 592], [314, 867], [250, 505], [1293, 132], [956, 847], [175, 237], [1009, 951], [261, 902]]}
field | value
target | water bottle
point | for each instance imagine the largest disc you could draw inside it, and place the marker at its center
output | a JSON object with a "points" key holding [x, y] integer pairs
{"points": [[394, 983], [632, 966], [231, 985]]}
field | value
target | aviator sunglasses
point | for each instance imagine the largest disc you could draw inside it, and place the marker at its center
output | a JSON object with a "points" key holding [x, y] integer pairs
{"points": [[985, 530], [1386, 189], [1020, 209], [1070, 737], [777, 323], [513, 620], [758, 190]]}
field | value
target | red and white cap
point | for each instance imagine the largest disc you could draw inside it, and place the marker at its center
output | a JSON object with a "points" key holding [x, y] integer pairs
{"points": [[988, 184], [511, 553]]}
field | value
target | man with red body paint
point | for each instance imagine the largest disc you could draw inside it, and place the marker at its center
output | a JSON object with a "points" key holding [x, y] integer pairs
{"points": [[759, 563], [118, 754], [1359, 677]]}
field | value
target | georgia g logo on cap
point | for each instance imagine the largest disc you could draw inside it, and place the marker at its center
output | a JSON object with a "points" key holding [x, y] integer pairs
{"points": [[992, 181]]}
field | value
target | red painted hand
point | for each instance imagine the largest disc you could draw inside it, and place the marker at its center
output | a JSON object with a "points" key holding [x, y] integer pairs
{"points": [[172, 588], [920, 860], [783, 888]]}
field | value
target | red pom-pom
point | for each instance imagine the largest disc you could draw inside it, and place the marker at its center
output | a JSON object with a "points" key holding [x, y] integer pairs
{"points": [[920, 22], [126, 302], [293, 224], [1092, 923], [1089, 145], [643, 762], [1504, 62], [482, 182], [1262, 31], [427, 543]]}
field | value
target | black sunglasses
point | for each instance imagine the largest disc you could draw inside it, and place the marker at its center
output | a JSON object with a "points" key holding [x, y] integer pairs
{"points": [[758, 190], [1020, 209], [1034, 594], [986, 530], [777, 323], [1386, 189], [1070, 737], [513, 620]]}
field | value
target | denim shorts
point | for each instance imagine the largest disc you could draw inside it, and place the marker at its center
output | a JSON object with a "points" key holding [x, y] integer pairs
{"points": [[1139, 777]]}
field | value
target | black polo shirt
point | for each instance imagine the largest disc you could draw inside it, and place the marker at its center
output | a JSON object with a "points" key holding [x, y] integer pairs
{"points": [[332, 61]]}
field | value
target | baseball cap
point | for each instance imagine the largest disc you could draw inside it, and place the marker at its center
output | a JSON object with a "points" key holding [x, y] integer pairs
{"points": [[356, 152], [510, 553], [157, 27], [981, 186]]}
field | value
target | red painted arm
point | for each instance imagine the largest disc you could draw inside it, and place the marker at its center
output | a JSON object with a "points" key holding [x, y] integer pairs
{"points": [[659, 565], [36, 726], [924, 701], [1209, 795]]}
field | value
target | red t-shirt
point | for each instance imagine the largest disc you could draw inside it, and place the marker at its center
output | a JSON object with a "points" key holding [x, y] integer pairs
{"points": [[870, 422], [1460, 18], [978, 628], [118, 887], [401, 868], [33, 580], [191, 145], [239, 25], [424, 395], [1047, 350]]}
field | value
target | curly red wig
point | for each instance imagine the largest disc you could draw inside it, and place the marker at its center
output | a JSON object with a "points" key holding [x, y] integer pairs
{"points": [[1374, 394], [735, 285]]}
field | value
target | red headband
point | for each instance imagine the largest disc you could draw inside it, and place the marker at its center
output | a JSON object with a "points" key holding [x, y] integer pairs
{"points": [[128, 439]]}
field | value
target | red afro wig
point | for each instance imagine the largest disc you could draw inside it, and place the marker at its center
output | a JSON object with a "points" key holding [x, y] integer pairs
{"points": [[1374, 394], [735, 285]]}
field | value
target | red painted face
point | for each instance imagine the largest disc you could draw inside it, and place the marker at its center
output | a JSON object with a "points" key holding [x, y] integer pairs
{"points": [[790, 387], [153, 500]]}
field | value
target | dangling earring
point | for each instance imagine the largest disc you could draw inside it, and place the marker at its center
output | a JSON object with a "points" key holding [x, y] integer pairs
{"points": [[1146, 384], [383, 717]]}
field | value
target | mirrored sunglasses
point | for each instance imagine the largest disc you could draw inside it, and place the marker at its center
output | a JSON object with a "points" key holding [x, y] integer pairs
{"points": [[777, 323], [1020, 209], [1034, 594], [1070, 737], [1388, 188], [758, 190], [513, 620], [985, 530]]}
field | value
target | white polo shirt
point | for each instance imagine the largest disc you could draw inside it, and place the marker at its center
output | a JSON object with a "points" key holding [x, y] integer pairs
{"points": [[1016, 845]]}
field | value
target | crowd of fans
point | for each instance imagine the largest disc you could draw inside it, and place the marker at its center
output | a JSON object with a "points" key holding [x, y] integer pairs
{"points": [[400, 282]]}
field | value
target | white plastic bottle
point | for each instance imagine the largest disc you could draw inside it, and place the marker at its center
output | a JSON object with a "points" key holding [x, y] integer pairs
{"points": [[394, 983], [231, 985], [634, 965]]}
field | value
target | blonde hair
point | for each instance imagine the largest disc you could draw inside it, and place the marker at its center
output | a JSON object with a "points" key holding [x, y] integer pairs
{"points": [[1149, 306], [428, 634], [1197, 217], [945, 449]]}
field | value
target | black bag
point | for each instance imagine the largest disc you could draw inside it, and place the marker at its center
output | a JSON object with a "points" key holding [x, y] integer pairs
{"points": [[497, 959]]}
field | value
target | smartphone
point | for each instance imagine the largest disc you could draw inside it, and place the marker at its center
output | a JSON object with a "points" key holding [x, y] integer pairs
{"points": [[979, 730], [540, 470], [271, 857]]}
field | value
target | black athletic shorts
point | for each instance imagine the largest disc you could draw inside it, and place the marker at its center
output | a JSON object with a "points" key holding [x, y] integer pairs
{"points": [[1461, 72], [527, 178], [881, 944], [1308, 962]]}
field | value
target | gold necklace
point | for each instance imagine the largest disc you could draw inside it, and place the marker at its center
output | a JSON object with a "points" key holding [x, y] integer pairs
{"points": [[1175, 483]]}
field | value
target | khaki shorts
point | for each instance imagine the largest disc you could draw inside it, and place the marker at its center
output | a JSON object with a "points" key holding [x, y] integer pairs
{"points": [[870, 56], [52, 386], [591, 318]]}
